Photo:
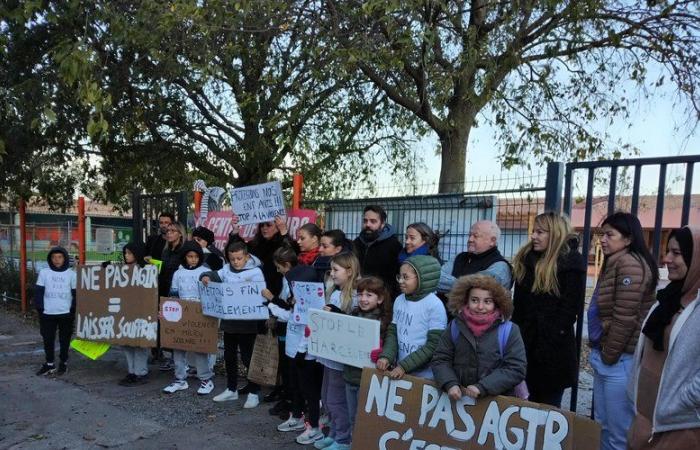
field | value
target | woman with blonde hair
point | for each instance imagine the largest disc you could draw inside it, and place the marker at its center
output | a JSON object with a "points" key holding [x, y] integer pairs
{"points": [[550, 276]]}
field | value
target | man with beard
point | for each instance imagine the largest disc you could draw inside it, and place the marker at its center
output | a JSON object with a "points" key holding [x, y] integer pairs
{"points": [[155, 243], [377, 247], [482, 256]]}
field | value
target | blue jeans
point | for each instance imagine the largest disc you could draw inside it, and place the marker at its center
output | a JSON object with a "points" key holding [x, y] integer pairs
{"points": [[611, 406], [351, 393]]}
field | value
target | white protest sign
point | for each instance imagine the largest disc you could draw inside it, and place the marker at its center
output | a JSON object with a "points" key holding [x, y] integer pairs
{"points": [[342, 338], [307, 295], [258, 203], [234, 301]]}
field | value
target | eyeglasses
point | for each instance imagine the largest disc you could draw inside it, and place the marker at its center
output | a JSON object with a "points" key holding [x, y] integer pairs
{"points": [[400, 278]]}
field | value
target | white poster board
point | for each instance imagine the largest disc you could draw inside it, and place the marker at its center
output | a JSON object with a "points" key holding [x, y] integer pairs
{"points": [[234, 301], [258, 203], [343, 338], [307, 295]]}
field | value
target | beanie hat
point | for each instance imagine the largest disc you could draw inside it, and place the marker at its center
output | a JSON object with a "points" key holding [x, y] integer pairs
{"points": [[204, 233], [428, 270]]}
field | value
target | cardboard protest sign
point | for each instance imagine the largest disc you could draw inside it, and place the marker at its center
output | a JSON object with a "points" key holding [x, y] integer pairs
{"points": [[342, 338], [307, 295], [413, 413], [184, 327], [220, 223], [117, 304], [238, 301], [265, 360], [258, 203]]}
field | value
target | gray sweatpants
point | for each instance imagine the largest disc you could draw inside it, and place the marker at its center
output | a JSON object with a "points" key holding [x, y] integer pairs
{"points": [[200, 360], [137, 360]]}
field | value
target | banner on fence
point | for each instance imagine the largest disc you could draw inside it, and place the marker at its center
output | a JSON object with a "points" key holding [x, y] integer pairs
{"points": [[413, 413], [343, 338], [237, 301], [307, 295], [258, 203], [220, 223], [184, 327], [117, 304]]}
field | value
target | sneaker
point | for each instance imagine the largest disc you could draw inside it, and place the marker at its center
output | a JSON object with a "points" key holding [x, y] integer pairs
{"points": [[326, 442], [62, 368], [177, 385], [47, 369], [244, 390], [227, 395], [166, 366], [274, 395], [337, 446], [139, 379], [282, 406], [128, 380], [292, 424], [310, 435], [205, 387], [252, 401]]}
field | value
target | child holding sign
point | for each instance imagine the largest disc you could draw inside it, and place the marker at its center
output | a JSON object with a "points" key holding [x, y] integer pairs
{"points": [[481, 353], [374, 302], [54, 299], [418, 322], [345, 271], [238, 334], [185, 284]]}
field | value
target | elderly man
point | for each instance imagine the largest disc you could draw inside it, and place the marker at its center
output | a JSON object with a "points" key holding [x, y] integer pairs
{"points": [[482, 256]]}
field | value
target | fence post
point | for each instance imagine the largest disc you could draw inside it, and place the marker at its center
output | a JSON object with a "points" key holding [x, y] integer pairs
{"points": [[81, 230], [297, 186], [197, 205], [553, 186], [23, 253]]}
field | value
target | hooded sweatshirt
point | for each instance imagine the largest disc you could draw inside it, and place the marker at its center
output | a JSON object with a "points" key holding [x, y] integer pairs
{"points": [[418, 321], [55, 286], [138, 250], [380, 257], [185, 282]]}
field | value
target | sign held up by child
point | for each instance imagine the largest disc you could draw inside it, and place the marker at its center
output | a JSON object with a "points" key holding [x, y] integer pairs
{"points": [[184, 327], [343, 338], [234, 301], [117, 304], [414, 413]]}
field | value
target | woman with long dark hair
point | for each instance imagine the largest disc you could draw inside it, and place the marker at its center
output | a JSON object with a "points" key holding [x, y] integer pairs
{"points": [[621, 300]]}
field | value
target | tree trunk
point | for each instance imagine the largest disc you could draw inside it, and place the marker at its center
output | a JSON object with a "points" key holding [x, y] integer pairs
{"points": [[454, 158]]}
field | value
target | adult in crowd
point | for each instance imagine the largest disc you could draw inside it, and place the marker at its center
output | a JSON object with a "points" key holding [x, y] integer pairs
{"points": [[155, 243], [621, 299], [550, 277], [377, 247], [419, 239], [482, 256], [171, 257], [213, 257], [665, 384]]}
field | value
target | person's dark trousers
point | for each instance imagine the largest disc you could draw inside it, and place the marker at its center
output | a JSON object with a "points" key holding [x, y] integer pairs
{"points": [[309, 378], [232, 343], [48, 324], [548, 397], [284, 369]]}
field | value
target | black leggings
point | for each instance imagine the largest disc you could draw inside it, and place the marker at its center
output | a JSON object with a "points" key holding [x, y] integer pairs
{"points": [[233, 342], [48, 323], [308, 378]]}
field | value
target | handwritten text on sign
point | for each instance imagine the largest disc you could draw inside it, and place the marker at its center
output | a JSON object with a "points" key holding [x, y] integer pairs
{"points": [[307, 295], [184, 327], [239, 301], [258, 203], [118, 304], [412, 413], [342, 338]]}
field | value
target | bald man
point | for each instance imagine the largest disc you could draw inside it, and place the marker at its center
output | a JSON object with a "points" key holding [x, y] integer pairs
{"points": [[482, 256]]}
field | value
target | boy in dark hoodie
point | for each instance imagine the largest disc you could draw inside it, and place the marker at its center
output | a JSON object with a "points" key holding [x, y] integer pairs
{"points": [[54, 299]]}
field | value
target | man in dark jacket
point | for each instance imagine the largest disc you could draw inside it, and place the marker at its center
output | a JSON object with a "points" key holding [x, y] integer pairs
{"points": [[155, 243], [482, 256], [377, 247]]}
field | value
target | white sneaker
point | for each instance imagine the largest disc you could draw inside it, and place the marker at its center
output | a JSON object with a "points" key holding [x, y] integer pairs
{"points": [[205, 387], [227, 395], [177, 385], [292, 424], [309, 436], [252, 401]]}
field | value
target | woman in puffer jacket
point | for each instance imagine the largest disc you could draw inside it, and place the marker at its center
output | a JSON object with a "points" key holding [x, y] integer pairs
{"points": [[621, 300], [470, 358]]}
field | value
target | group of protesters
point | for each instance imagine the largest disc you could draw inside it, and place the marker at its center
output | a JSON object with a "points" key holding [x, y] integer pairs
{"points": [[477, 324]]}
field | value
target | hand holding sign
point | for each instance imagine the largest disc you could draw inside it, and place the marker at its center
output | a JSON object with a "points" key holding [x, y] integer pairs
{"points": [[307, 295], [258, 203]]}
